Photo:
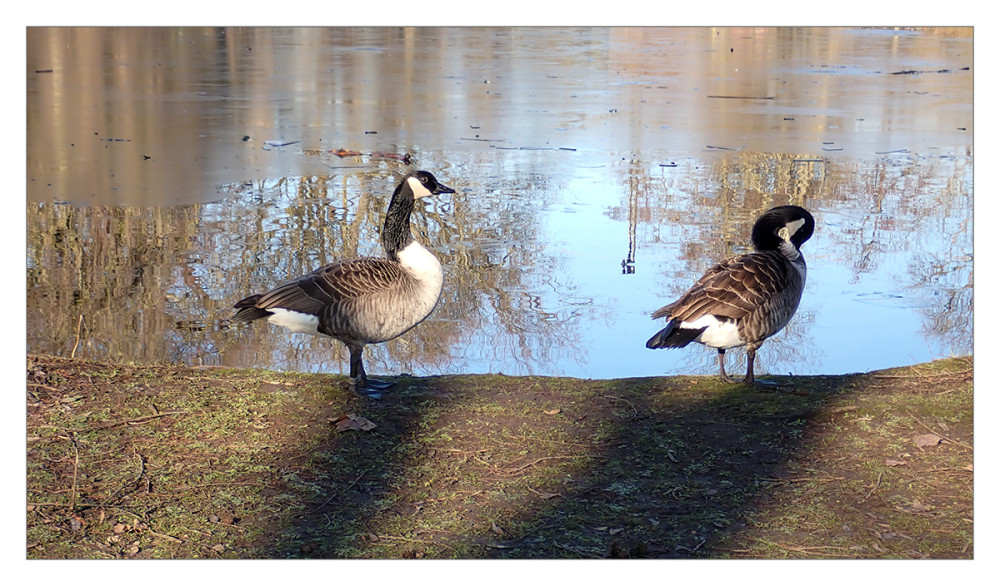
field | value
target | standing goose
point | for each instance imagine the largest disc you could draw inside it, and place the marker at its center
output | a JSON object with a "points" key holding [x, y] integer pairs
{"points": [[364, 300], [746, 299]]}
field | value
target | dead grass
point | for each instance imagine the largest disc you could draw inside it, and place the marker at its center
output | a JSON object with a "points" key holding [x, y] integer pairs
{"points": [[127, 461]]}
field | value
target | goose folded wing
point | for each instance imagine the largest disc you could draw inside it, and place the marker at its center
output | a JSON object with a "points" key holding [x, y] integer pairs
{"points": [[333, 283], [732, 289]]}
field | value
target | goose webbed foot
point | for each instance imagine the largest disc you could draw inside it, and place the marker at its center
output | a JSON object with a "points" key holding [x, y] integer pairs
{"points": [[371, 388], [733, 381], [749, 379], [362, 385], [379, 385]]}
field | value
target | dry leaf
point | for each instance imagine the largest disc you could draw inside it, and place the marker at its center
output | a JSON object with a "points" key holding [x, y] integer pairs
{"points": [[352, 421], [916, 507], [891, 462], [926, 440], [553, 412]]}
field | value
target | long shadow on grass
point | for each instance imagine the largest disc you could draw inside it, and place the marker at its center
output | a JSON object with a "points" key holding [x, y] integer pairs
{"points": [[492, 466], [681, 468]]}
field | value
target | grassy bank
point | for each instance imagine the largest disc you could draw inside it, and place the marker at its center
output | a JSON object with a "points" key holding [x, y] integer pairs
{"points": [[129, 461]]}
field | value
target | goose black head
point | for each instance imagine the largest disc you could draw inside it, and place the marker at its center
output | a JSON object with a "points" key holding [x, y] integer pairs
{"points": [[422, 184], [783, 223]]}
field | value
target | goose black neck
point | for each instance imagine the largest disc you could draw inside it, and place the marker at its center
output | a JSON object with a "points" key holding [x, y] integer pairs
{"points": [[396, 230]]}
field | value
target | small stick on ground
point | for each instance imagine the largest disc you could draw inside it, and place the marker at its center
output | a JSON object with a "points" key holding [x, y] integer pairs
{"points": [[613, 398], [514, 471], [79, 324], [76, 467], [938, 433], [136, 420], [878, 482]]}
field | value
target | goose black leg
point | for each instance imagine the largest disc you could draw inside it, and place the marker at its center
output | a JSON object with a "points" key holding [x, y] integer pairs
{"points": [[722, 367], [360, 380], [751, 354], [749, 379]]}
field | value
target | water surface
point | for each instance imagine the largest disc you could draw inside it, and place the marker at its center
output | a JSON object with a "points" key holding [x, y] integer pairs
{"points": [[598, 171]]}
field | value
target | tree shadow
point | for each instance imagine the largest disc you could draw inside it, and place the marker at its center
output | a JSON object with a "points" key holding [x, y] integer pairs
{"points": [[500, 467]]}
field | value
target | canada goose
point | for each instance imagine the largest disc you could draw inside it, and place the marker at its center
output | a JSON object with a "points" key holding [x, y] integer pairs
{"points": [[363, 300], [746, 299]]}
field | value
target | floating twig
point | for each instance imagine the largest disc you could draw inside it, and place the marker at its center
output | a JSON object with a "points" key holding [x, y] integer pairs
{"points": [[271, 144], [744, 97], [342, 152]]}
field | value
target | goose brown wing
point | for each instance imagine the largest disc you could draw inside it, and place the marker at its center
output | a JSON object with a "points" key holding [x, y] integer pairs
{"points": [[733, 289], [333, 283]]}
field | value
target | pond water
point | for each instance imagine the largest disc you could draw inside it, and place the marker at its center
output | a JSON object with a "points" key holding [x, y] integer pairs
{"points": [[598, 172]]}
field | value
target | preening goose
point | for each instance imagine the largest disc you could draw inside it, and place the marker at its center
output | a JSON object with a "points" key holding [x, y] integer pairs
{"points": [[364, 300], [746, 299]]}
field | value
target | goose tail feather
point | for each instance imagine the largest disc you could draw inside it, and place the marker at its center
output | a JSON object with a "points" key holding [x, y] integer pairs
{"points": [[673, 336], [248, 310]]}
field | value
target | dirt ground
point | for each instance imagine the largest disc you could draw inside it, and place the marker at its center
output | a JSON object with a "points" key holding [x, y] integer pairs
{"points": [[137, 461]]}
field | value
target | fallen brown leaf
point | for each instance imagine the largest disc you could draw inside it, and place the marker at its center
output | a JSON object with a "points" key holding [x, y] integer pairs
{"points": [[915, 507], [927, 440], [348, 422]]}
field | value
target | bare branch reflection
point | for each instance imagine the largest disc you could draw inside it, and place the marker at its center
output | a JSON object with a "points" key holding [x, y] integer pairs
{"points": [[158, 284], [157, 134]]}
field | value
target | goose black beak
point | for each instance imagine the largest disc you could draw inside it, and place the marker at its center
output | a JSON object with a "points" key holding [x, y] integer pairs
{"points": [[443, 189]]}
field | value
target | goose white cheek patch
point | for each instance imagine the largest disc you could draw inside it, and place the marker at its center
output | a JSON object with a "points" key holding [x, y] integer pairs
{"points": [[418, 188]]}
